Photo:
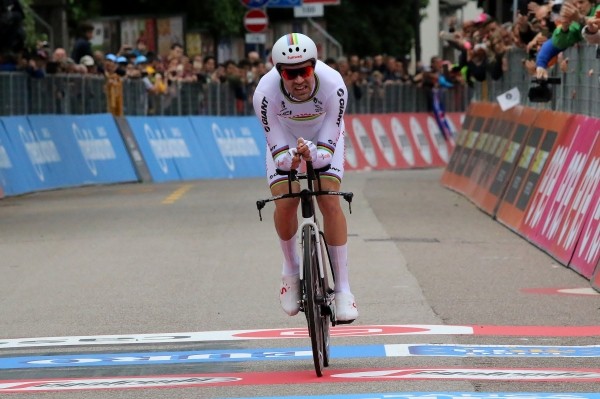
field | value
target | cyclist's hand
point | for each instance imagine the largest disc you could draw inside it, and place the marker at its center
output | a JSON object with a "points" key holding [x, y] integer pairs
{"points": [[307, 149], [296, 158]]}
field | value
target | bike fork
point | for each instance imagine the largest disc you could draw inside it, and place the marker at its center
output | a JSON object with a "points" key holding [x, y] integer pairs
{"points": [[315, 229]]}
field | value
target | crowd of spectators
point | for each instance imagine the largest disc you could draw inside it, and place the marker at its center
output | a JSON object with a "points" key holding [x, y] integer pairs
{"points": [[478, 52]]}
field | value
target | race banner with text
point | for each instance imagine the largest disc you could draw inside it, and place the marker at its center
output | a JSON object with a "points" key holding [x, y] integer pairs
{"points": [[475, 118], [549, 221], [533, 153], [57, 151]]}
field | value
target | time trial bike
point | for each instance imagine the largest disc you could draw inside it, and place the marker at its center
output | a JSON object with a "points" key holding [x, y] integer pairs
{"points": [[316, 292]]}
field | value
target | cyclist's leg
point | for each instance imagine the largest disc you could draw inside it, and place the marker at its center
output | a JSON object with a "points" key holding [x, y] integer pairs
{"points": [[286, 225], [336, 234]]}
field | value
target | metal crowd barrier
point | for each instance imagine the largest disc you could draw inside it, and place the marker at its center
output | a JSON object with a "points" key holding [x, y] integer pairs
{"points": [[84, 94], [578, 93]]}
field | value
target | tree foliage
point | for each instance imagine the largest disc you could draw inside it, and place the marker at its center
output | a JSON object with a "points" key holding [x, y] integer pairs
{"points": [[362, 27], [373, 27]]}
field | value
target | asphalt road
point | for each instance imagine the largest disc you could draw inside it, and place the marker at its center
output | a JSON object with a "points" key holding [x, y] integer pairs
{"points": [[193, 257]]}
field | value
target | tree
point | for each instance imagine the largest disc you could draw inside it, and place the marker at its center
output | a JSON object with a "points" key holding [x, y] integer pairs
{"points": [[374, 26]]}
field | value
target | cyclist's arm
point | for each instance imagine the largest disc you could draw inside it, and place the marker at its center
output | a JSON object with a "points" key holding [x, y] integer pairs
{"points": [[277, 139], [335, 107]]}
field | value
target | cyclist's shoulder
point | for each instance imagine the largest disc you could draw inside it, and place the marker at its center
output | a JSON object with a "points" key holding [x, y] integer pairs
{"points": [[328, 75], [330, 79]]}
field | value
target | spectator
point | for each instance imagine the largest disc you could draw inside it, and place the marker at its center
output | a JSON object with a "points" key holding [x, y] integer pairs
{"points": [[174, 56], [141, 48], [591, 32], [390, 70], [113, 86], [574, 15], [36, 67], [210, 69], [60, 62], [83, 44], [90, 65], [233, 78]]}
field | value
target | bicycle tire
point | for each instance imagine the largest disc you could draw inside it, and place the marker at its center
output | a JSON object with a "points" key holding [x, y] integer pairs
{"points": [[313, 291], [326, 315]]}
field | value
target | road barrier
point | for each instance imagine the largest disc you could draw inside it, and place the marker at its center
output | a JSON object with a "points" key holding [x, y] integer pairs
{"points": [[536, 172], [45, 152]]}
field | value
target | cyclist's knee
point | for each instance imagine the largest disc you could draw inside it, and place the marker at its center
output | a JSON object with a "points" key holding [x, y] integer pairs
{"points": [[329, 205]]}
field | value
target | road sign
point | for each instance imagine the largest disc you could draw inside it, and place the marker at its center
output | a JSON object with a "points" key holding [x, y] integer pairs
{"points": [[256, 20], [255, 3], [308, 11], [284, 3], [256, 38]]}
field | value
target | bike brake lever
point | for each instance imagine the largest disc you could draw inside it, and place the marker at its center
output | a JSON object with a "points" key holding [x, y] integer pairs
{"points": [[260, 204], [348, 197]]}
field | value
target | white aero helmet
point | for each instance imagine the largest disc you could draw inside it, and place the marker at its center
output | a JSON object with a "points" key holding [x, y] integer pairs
{"points": [[294, 48]]}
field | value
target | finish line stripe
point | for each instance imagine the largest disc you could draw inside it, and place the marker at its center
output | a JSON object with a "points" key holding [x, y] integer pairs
{"points": [[296, 377], [336, 332], [278, 354]]}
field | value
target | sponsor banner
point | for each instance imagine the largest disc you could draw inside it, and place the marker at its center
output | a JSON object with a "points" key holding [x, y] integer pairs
{"points": [[360, 150], [23, 170], [102, 148], [374, 142], [503, 151], [290, 333], [448, 395], [476, 116], [533, 154], [293, 377], [477, 161], [425, 124], [234, 147], [161, 152], [546, 221], [583, 215], [395, 141], [182, 148], [57, 151], [278, 354]]}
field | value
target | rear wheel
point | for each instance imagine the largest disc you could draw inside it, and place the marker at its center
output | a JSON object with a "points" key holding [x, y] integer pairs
{"points": [[314, 298]]}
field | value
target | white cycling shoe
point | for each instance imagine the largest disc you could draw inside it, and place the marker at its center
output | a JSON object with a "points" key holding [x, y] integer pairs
{"points": [[345, 307], [289, 294]]}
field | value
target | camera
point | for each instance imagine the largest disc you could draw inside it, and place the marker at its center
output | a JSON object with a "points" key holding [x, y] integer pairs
{"points": [[556, 6], [542, 93]]}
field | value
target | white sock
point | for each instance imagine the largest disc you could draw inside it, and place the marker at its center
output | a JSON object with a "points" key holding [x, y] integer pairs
{"points": [[339, 262], [291, 263]]}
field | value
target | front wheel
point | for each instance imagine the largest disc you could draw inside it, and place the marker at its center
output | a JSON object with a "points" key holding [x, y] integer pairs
{"points": [[315, 295]]}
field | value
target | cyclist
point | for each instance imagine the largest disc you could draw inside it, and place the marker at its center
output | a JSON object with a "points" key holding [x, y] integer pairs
{"points": [[300, 104]]}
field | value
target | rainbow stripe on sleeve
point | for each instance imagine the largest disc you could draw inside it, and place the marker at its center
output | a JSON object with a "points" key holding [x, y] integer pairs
{"points": [[325, 146]]}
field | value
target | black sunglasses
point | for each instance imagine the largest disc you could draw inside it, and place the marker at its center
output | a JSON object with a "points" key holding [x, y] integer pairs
{"points": [[291, 74]]}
